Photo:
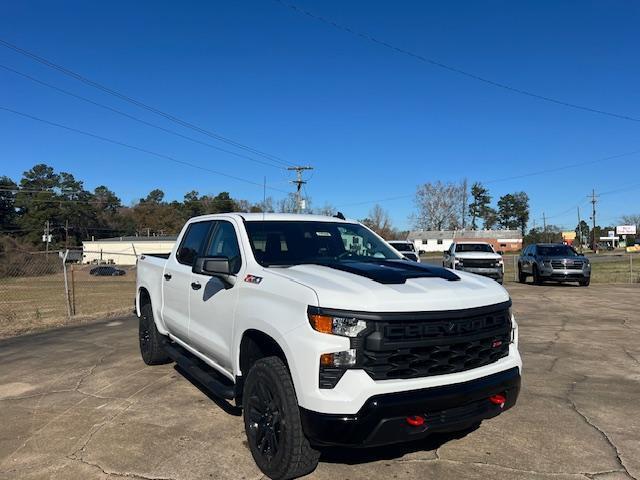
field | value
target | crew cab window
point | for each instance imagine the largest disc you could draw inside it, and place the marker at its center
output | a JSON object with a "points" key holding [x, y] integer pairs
{"points": [[193, 242], [224, 243]]}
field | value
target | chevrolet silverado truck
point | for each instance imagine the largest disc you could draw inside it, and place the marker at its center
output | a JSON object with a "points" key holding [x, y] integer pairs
{"points": [[475, 257], [325, 335]]}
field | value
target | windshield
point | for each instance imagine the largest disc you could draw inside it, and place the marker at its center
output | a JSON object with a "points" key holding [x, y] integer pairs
{"points": [[403, 246], [556, 251], [292, 243], [474, 247]]}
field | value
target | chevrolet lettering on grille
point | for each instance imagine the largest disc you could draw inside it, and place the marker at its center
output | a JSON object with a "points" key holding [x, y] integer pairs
{"points": [[435, 329]]}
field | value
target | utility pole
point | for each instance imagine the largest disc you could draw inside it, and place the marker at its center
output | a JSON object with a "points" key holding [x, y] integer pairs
{"points": [[579, 229], [544, 223], [594, 198], [298, 182]]}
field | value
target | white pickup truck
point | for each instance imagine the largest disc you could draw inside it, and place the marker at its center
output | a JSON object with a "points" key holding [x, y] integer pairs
{"points": [[325, 335]]}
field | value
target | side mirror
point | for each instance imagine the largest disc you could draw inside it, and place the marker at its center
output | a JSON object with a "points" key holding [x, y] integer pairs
{"points": [[214, 267], [500, 252]]}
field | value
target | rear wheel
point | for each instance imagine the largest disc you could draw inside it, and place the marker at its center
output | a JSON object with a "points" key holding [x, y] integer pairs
{"points": [[151, 341], [272, 422]]}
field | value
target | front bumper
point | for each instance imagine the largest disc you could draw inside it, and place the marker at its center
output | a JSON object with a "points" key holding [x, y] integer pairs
{"points": [[382, 419], [566, 275], [495, 273]]}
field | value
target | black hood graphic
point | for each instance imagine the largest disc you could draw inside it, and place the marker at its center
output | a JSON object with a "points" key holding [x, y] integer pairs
{"points": [[392, 272]]}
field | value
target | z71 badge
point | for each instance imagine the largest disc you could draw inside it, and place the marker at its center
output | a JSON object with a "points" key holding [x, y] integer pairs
{"points": [[253, 279]]}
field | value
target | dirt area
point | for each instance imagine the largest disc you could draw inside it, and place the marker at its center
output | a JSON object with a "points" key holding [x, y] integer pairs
{"points": [[78, 403]]}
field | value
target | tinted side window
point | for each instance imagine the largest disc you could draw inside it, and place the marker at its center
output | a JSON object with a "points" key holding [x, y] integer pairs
{"points": [[224, 243], [193, 242]]}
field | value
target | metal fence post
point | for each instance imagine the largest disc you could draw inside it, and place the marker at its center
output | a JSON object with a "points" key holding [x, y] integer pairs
{"points": [[66, 282], [73, 291]]}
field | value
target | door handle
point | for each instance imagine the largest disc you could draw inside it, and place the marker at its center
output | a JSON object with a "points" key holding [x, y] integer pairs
{"points": [[167, 276], [196, 285]]}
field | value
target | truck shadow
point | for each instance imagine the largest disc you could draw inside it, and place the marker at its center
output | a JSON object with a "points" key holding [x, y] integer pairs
{"points": [[355, 456]]}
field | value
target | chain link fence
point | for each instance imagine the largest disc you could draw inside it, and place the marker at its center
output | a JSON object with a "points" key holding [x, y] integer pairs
{"points": [[39, 290], [43, 290]]}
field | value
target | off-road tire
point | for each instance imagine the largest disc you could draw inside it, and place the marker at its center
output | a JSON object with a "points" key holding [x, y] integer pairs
{"points": [[151, 341], [585, 282], [522, 277], [268, 388]]}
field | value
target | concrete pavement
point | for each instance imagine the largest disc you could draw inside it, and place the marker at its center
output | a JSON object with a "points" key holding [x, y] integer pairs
{"points": [[78, 403]]}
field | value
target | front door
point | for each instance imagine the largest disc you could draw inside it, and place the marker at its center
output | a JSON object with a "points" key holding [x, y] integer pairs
{"points": [[212, 301], [177, 279]]}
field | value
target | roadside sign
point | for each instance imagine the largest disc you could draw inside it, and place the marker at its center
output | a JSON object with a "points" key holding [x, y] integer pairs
{"points": [[626, 229]]}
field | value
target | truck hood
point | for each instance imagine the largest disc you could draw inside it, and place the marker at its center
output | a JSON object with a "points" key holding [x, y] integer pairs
{"points": [[478, 255], [357, 290]]}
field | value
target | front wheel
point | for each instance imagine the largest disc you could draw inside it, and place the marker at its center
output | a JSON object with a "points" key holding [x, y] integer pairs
{"points": [[522, 277], [272, 422], [537, 279], [585, 282]]}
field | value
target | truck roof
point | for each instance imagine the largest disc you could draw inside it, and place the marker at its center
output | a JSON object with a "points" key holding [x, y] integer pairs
{"points": [[257, 217]]}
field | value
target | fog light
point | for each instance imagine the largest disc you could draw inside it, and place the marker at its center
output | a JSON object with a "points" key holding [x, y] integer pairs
{"points": [[339, 359], [415, 421], [498, 399]]}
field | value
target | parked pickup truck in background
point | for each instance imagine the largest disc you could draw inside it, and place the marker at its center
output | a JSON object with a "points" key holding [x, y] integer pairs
{"points": [[406, 248], [475, 257], [325, 335]]}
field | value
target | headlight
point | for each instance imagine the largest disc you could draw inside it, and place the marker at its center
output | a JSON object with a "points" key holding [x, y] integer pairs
{"points": [[345, 327]]}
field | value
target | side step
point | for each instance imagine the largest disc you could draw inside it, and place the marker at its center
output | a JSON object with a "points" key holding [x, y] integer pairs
{"points": [[193, 367]]}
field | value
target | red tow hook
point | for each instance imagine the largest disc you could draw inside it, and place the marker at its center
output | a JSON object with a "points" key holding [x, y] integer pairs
{"points": [[415, 421], [498, 399]]}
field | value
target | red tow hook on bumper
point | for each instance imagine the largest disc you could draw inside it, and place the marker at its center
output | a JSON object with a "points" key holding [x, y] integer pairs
{"points": [[498, 399], [415, 421]]}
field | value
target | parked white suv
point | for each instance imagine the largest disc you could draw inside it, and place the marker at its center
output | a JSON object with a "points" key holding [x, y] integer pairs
{"points": [[325, 335], [475, 257]]}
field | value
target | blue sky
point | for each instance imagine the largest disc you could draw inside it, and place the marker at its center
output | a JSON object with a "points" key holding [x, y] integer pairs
{"points": [[372, 122]]}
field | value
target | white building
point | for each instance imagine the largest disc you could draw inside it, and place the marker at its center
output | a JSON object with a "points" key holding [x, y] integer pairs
{"points": [[439, 241], [124, 250]]}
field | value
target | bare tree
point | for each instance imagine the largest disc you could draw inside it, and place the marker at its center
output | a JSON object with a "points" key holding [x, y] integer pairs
{"points": [[631, 220], [379, 221], [327, 209], [438, 206]]}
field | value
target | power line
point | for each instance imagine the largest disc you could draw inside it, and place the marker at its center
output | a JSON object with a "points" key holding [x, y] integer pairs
{"points": [[140, 104], [450, 68], [133, 147], [514, 177], [136, 119]]}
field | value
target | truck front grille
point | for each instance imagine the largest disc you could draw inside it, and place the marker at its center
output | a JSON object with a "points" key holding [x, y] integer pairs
{"points": [[432, 346], [477, 263]]}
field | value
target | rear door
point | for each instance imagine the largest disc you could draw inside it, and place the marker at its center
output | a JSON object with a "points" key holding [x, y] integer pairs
{"points": [[212, 302], [177, 278]]}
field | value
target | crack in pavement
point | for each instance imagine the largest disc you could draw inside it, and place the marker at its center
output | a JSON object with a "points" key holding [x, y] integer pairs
{"points": [[604, 435], [510, 469], [135, 476]]}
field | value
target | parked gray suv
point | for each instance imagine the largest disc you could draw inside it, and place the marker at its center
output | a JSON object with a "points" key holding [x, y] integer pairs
{"points": [[553, 261]]}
